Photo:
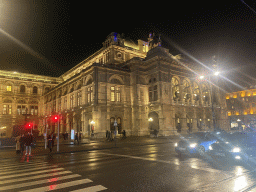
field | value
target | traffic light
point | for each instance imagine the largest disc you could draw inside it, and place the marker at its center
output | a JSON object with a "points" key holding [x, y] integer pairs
{"points": [[55, 118], [28, 125]]}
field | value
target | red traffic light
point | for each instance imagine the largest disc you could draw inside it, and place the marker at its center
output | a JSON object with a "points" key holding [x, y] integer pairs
{"points": [[55, 118], [29, 125]]}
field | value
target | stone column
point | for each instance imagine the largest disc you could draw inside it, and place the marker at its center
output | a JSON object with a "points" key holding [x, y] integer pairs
{"points": [[194, 122], [183, 122]]}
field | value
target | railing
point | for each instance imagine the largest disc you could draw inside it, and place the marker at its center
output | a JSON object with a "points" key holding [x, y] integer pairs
{"points": [[3, 91]]}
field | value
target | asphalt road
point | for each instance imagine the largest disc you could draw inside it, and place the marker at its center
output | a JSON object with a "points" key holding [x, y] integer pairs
{"points": [[143, 168]]}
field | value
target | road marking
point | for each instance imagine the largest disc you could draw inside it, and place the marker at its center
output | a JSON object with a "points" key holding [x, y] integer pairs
{"points": [[35, 177], [49, 181], [21, 165], [164, 161], [31, 173], [59, 186], [91, 189], [25, 170]]}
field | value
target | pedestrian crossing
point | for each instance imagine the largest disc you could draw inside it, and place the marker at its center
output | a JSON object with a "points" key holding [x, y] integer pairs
{"points": [[41, 176]]}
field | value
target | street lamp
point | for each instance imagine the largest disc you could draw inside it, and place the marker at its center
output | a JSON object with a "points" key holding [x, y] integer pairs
{"points": [[216, 73], [92, 123], [150, 120]]}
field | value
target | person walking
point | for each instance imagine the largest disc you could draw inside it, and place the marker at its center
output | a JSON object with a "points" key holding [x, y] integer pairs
{"points": [[51, 139], [76, 138], [124, 134], [17, 139], [28, 143], [22, 143]]}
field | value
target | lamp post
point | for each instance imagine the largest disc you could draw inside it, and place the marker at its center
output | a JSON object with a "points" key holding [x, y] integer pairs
{"points": [[216, 73], [150, 120], [115, 125]]}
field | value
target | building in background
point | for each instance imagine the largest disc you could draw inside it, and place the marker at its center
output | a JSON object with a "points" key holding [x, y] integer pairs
{"points": [[21, 99], [241, 109], [138, 87]]}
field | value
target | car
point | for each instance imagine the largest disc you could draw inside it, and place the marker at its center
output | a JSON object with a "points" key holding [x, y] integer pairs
{"points": [[196, 143], [238, 146]]}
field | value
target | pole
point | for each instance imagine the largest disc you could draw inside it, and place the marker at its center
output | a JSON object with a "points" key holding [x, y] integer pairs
{"points": [[45, 137], [32, 127], [58, 141]]}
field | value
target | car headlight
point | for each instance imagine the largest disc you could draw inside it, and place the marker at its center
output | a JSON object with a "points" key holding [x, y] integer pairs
{"points": [[176, 144], [210, 147], [193, 145], [236, 150]]}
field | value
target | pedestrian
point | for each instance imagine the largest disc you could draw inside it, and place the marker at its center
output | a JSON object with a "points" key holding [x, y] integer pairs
{"points": [[124, 134], [28, 143], [17, 139], [22, 143], [155, 132], [66, 135], [51, 139], [80, 136], [76, 138], [107, 135]]}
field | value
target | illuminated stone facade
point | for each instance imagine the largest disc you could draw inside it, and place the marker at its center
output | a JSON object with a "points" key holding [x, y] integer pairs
{"points": [[241, 109], [128, 83], [21, 94]]}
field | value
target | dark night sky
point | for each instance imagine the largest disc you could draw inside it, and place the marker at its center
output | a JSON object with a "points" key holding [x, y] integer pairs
{"points": [[58, 34]]}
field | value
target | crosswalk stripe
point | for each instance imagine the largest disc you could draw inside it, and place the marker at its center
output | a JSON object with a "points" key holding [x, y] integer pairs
{"points": [[39, 182], [59, 186], [30, 173], [21, 165], [35, 177], [91, 189], [26, 170]]}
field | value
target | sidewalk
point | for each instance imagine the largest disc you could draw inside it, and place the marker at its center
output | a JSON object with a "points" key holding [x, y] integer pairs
{"points": [[67, 146]]}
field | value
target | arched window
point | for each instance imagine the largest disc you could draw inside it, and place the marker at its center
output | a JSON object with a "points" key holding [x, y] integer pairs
{"points": [[8, 88], [35, 90], [196, 92], [205, 94], [22, 89], [175, 88], [186, 91], [47, 89], [152, 90]]}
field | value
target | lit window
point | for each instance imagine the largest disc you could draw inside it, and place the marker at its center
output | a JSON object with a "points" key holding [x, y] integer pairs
{"points": [[118, 94], [112, 97], [79, 98], [89, 94], [34, 110], [21, 109], [9, 88]]}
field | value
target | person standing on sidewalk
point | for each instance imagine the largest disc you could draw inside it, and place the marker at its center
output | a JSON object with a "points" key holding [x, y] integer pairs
{"points": [[28, 143], [17, 139]]}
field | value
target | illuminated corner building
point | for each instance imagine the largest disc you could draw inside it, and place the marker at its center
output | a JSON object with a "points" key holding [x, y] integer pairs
{"points": [[20, 98], [136, 86], [241, 109]]}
